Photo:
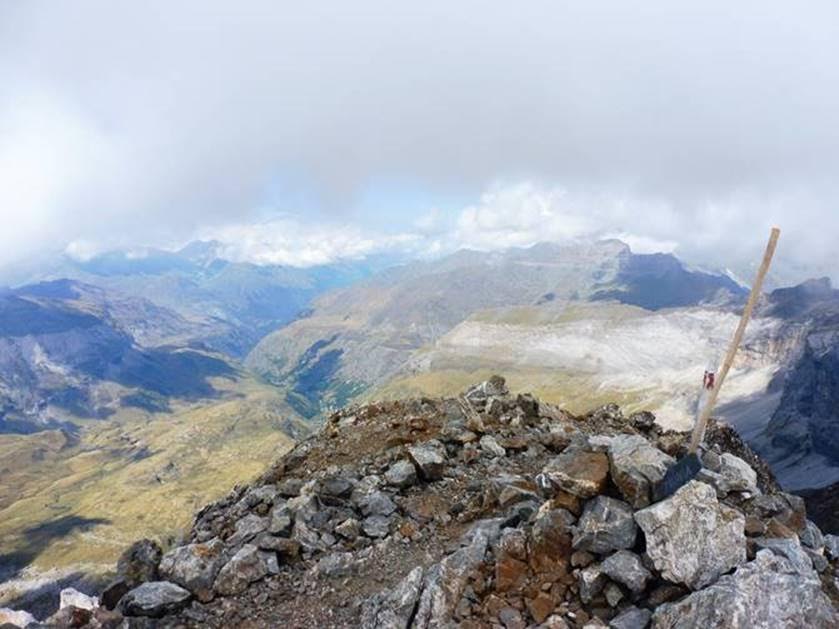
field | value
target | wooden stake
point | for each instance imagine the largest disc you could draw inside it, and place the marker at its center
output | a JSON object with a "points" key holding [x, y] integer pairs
{"points": [[702, 421]]}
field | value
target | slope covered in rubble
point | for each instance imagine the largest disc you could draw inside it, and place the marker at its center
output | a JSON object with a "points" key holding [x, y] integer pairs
{"points": [[487, 510]]}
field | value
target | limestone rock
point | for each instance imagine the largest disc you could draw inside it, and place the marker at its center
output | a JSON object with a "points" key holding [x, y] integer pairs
{"points": [[636, 466], [194, 566], [626, 567], [737, 475], [767, 593], [401, 474], [579, 472], [445, 581], [691, 537], [393, 609], [16, 618], [606, 525], [71, 597], [631, 618], [246, 566], [430, 459], [154, 599]]}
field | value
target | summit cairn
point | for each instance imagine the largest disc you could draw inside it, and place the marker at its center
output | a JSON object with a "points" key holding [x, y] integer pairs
{"points": [[407, 515]]}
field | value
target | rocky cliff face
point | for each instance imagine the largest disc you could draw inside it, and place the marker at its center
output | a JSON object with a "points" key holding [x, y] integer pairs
{"points": [[487, 510]]}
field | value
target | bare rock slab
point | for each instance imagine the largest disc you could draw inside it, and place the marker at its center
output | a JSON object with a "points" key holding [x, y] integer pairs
{"points": [[154, 599]]}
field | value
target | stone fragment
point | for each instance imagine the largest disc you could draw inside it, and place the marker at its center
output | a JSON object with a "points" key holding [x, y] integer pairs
{"points": [[16, 618], [767, 593], [393, 609], [831, 546], [71, 597], [336, 487], [550, 541], [429, 458], [336, 565], [490, 446], [496, 386], [820, 563], [349, 529], [445, 581], [113, 592], [812, 536], [591, 581], [790, 548], [737, 475], [605, 525], [511, 618], [376, 503], [631, 618], [613, 594], [249, 564], [579, 472], [401, 474], [247, 528], [540, 607], [139, 562], [691, 537], [376, 526], [194, 566], [626, 567], [154, 599], [643, 420], [281, 520], [636, 467]]}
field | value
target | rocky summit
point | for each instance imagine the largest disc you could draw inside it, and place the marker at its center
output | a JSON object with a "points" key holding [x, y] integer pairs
{"points": [[485, 510]]}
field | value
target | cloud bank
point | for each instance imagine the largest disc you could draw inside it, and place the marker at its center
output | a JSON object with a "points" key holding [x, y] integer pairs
{"points": [[691, 126]]}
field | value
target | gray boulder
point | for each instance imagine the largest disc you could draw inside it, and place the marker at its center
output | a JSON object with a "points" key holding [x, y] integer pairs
{"points": [[393, 609], [376, 503], [626, 567], [605, 525], [154, 599], [429, 458], [246, 566], [636, 466], [247, 528], [812, 536], [194, 566], [401, 474], [691, 537], [490, 446], [376, 526], [737, 475], [767, 593], [831, 546]]}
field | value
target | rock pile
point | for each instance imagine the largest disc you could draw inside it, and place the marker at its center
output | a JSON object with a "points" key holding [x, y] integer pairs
{"points": [[488, 510]]}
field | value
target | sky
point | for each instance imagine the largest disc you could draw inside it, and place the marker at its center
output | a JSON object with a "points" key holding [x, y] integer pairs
{"points": [[303, 133]]}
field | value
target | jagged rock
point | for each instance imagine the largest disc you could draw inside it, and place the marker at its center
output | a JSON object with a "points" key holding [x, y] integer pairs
{"points": [[625, 567], [490, 445], [737, 475], [642, 420], [247, 528], [401, 474], [831, 546], [287, 549], [820, 563], [71, 597], [154, 599], [139, 562], [194, 566], [289, 487], [376, 503], [784, 509], [550, 540], [767, 593], [336, 565], [246, 566], [281, 520], [429, 458], [349, 529], [16, 618], [445, 581], [394, 609], [376, 526], [631, 618], [812, 536], [691, 537], [636, 466], [511, 618], [579, 472], [336, 487], [711, 460], [496, 386], [591, 582], [789, 548], [613, 594], [606, 525]]}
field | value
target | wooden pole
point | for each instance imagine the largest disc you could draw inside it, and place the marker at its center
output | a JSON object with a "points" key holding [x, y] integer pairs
{"points": [[702, 421]]}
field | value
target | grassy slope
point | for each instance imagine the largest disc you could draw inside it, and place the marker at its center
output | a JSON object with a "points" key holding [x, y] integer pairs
{"points": [[136, 475]]}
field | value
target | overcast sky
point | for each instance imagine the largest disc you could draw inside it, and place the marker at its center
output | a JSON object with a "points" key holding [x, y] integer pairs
{"points": [[299, 132]]}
